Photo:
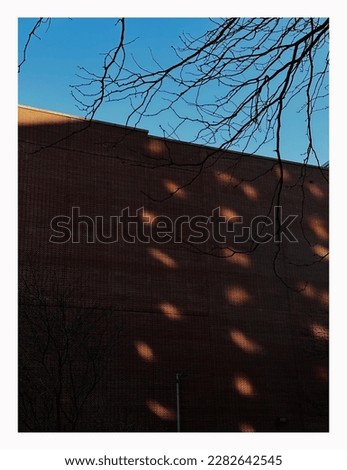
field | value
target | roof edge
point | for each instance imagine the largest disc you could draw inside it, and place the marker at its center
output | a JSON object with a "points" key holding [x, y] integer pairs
{"points": [[80, 118], [207, 147]]}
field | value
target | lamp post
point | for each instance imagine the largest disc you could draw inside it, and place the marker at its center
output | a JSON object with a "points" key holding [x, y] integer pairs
{"points": [[178, 405]]}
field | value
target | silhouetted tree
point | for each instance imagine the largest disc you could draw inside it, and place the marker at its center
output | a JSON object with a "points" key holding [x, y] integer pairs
{"points": [[63, 352], [257, 66], [235, 87]]}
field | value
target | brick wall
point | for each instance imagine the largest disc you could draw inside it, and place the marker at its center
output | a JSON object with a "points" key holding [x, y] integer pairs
{"points": [[253, 351]]}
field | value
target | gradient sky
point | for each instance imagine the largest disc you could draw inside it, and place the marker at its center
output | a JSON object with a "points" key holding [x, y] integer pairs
{"points": [[53, 60]]}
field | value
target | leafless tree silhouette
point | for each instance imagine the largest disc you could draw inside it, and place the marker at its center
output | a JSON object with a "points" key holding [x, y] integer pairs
{"points": [[33, 33], [63, 350], [235, 84], [235, 87], [258, 66]]}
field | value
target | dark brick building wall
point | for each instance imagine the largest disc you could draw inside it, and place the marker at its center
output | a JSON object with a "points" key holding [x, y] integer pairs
{"points": [[104, 328]]}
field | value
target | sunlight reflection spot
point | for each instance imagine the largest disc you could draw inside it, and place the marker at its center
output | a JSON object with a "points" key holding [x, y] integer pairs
{"points": [[243, 342], [175, 189], [170, 311], [156, 147], [164, 258], [43, 118], [313, 293], [249, 191], [246, 427], [225, 178], [144, 351], [287, 178], [161, 411], [318, 227], [228, 213], [243, 386], [319, 331], [241, 259], [237, 295], [148, 216], [320, 250], [315, 190]]}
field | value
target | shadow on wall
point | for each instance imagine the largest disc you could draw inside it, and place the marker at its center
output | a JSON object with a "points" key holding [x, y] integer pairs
{"points": [[252, 352]]}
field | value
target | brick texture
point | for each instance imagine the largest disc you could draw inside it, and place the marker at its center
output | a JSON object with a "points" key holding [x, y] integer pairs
{"points": [[253, 352]]}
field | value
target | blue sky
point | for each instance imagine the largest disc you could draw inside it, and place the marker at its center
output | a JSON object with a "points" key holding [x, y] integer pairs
{"points": [[53, 60]]}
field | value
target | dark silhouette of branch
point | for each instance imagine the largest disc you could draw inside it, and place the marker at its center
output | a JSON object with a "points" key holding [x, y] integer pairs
{"points": [[255, 62], [232, 86], [33, 33], [62, 354]]}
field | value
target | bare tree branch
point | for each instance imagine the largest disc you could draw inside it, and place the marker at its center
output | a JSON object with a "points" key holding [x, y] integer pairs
{"points": [[33, 33]]}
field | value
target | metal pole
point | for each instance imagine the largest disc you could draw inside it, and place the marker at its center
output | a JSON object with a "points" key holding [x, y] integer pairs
{"points": [[178, 375]]}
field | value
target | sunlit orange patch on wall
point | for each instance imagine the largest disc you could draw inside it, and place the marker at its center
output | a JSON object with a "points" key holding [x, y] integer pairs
{"points": [[228, 213], [144, 351], [318, 227], [246, 427], [320, 250], [161, 411], [249, 191], [315, 190], [45, 118], [245, 343], [175, 189], [163, 257], [241, 259], [156, 147], [287, 178], [147, 216], [311, 292], [243, 386], [225, 178], [319, 331], [170, 311], [237, 295]]}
